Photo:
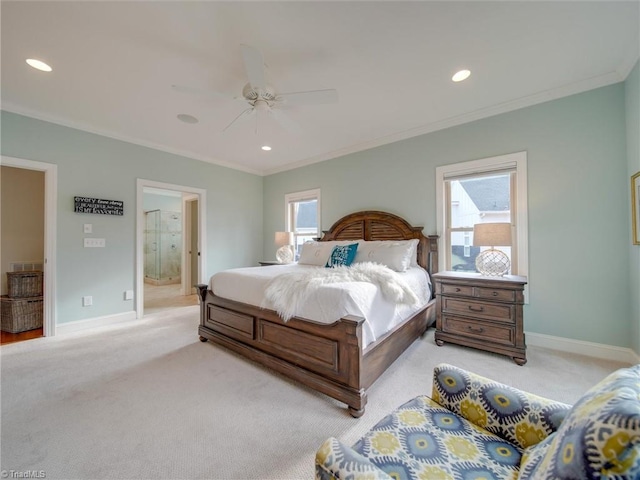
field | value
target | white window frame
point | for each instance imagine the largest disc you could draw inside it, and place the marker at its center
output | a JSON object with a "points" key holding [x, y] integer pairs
{"points": [[516, 160], [306, 195]]}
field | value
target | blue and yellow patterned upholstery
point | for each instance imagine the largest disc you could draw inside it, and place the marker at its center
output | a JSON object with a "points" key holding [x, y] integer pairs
{"points": [[474, 428], [600, 438], [519, 417]]}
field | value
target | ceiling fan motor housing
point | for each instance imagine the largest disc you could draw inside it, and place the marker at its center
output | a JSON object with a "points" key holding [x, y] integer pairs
{"points": [[253, 95]]}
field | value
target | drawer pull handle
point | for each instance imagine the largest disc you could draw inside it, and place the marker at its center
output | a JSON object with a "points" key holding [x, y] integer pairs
{"points": [[495, 294], [476, 309], [457, 289], [475, 330]]}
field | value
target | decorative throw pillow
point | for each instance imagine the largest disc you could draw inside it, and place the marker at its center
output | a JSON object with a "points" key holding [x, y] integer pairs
{"points": [[599, 438], [342, 255], [394, 254], [317, 253]]}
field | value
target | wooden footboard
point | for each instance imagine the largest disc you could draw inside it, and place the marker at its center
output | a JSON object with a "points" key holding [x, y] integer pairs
{"points": [[329, 358], [326, 357]]}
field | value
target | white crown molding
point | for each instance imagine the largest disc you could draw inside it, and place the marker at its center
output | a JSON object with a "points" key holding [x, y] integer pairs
{"points": [[589, 349], [541, 97], [11, 107]]}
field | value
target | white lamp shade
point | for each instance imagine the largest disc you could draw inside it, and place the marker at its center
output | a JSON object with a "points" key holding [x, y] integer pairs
{"points": [[284, 238], [491, 234]]}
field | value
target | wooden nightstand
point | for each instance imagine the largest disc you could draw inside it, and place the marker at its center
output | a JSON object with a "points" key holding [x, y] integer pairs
{"points": [[481, 312]]}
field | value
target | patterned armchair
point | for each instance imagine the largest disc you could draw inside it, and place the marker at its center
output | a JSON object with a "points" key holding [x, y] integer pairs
{"points": [[473, 427]]}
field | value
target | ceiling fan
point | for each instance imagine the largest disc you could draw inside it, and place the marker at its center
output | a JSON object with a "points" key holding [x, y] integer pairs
{"points": [[262, 98]]}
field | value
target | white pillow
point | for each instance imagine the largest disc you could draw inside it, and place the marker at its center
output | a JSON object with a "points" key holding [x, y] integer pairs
{"points": [[397, 255], [317, 253], [414, 251]]}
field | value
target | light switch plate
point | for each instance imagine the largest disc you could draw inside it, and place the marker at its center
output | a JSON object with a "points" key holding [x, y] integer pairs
{"points": [[88, 228], [94, 242]]}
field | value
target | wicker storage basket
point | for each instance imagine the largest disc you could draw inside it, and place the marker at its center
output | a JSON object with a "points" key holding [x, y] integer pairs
{"points": [[21, 314], [24, 284]]}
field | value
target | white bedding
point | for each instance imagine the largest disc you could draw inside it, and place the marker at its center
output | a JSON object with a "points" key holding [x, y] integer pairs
{"points": [[330, 301]]}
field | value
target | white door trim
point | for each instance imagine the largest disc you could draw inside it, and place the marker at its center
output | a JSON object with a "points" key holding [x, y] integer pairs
{"points": [[141, 183], [50, 224], [187, 251]]}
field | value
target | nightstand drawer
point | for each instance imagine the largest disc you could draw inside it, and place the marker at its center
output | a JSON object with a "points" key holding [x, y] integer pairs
{"points": [[490, 311], [469, 328], [495, 294], [462, 290]]}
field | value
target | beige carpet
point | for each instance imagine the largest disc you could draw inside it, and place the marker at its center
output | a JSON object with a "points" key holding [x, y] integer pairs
{"points": [[149, 400]]}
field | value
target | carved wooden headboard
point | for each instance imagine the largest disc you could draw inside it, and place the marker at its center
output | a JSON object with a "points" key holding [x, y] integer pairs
{"points": [[375, 225]]}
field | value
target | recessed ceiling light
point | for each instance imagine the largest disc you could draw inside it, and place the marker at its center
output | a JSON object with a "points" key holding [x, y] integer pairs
{"points": [[461, 75], [266, 148], [39, 65], [183, 117]]}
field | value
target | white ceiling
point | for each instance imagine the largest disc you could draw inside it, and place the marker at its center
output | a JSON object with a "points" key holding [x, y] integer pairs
{"points": [[391, 62]]}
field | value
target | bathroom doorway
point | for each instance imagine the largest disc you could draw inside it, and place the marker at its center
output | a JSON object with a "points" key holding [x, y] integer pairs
{"points": [[169, 256]]}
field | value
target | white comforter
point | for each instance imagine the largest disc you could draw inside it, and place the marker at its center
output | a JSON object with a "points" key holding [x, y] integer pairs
{"points": [[329, 301]]}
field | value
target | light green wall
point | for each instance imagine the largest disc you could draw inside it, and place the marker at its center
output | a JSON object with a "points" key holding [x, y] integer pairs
{"points": [[95, 166], [578, 204], [632, 98]]}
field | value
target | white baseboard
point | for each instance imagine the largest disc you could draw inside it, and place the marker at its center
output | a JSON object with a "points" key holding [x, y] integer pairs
{"points": [[598, 350], [64, 328]]}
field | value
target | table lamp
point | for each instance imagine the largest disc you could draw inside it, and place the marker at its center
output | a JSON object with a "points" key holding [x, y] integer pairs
{"points": [[492, 262], [283, 241]]}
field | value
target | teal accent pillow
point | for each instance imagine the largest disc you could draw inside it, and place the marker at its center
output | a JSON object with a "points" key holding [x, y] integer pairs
{"points": [[599, 438], [342, 255]]}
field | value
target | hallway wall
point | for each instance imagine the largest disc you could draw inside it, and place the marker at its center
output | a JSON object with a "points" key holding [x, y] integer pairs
{"points": [[22, 213]]}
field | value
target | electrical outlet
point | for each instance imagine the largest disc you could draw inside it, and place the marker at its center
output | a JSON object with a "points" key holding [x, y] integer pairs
{"points": [[87, 301], [128, 295]]}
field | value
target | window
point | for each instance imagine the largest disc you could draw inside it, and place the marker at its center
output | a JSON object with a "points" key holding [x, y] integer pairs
{"points": [[467, 244], [303, 217], [482, 191]]}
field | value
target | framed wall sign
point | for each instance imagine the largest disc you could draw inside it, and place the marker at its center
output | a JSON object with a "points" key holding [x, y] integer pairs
{"points": [[98, 206], [635, 207]]}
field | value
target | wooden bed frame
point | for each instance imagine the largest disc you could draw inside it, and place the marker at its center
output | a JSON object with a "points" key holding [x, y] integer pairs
{"points": [[328, 358]]}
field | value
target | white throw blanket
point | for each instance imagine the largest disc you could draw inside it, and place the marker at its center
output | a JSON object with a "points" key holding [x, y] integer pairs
{"points": [[285, 293]]}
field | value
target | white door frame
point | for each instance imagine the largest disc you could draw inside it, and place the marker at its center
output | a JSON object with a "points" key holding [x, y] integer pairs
{"points": [[50, 224], [141, 183], [187, 251]]}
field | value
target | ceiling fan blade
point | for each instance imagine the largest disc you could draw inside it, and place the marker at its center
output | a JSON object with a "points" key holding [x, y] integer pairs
{"points": [[199, 91], [243, 115], [313, 97], [254, 66], [285, 121]]}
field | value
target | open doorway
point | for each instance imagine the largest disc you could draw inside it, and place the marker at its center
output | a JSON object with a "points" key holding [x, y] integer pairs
{"points": [[40, 257], [170, 226]]}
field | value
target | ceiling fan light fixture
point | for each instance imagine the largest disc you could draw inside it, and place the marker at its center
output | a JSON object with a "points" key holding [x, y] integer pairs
{"points": [[38, 65], [261, 106], [461, 75]]}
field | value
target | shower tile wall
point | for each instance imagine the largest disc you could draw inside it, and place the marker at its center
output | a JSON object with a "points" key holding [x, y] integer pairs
{"points": [[162, 247]]}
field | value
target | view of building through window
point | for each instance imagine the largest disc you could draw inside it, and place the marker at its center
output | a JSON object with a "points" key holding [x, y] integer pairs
{"points": [[304, 222], [303, 211], [473, 200], [486, 190]]}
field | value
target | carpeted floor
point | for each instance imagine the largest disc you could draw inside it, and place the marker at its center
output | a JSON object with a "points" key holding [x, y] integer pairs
{"points": [[148, 400]]}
